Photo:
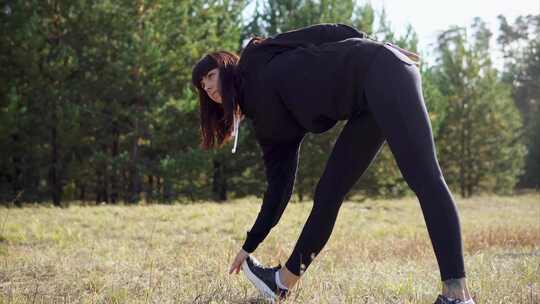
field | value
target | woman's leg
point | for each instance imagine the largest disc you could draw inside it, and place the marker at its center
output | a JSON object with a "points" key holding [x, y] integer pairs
{"points": [[394, 95], [356, 147]]}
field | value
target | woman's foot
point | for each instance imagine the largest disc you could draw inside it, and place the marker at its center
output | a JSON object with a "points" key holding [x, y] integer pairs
{"points": [[441, 299], [288, 278], [264, 279], [455, 290]]}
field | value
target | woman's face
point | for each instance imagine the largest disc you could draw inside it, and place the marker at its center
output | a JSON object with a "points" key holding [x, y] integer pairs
{"points": [[210, 83]]}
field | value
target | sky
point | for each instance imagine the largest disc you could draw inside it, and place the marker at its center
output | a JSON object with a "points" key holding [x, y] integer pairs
{"points": [[429, 18]]}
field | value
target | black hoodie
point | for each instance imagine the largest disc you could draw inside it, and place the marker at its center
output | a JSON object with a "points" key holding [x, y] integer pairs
{"points": [[296, 82]]}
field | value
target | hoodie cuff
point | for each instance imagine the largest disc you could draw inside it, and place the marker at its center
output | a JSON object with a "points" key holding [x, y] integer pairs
{"points": [[250, 245]]}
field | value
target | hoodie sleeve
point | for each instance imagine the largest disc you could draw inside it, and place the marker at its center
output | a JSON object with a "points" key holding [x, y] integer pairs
{"points": [[281, 164], [321, 33]]}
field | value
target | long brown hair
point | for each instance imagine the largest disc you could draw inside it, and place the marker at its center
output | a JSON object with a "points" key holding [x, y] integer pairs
{"points": [[217, 119]]}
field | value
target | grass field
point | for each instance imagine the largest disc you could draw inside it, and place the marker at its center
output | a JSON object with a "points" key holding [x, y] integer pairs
{"points": [[379, 252]]}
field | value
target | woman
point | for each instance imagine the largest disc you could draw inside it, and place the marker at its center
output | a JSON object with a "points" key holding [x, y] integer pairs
{"points": [[306, 80]]}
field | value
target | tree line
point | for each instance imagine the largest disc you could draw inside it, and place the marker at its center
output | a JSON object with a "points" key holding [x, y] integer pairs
{"points": [[97, 106]]}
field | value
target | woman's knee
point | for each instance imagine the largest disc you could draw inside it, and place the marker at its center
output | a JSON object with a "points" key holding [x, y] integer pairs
{"points": [[325, 199], [432, 182]]}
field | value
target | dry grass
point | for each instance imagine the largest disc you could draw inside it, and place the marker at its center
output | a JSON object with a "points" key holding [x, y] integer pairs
{"points": [[379, 252]]}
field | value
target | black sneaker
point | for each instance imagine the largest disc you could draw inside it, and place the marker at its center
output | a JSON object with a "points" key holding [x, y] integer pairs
{"points": [[264, 279], [445, 300]]}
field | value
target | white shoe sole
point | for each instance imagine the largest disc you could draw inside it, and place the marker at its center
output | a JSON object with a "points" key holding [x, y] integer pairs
{"points": [[265, 290]]}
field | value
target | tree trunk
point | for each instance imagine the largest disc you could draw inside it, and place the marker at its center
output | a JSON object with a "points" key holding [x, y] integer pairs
{"points": [[125, 184], [462, 153], [167, 190], [101, 192], [114, 155], [134, 174], [54, 183], [150, 192], [158, 187], [82, 192], [16, 181], [219, 182]]}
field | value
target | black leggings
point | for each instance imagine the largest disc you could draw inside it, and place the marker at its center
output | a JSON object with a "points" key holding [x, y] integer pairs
{"points": [[395, 112]]}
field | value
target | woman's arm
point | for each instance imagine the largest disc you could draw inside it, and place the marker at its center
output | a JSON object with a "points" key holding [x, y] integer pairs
{"points": [[281, 163], [320, 33]]}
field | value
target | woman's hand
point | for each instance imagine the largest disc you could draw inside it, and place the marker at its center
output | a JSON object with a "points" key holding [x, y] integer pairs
{"points": [[238, 260]]}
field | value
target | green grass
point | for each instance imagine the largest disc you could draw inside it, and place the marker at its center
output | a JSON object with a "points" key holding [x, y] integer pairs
{"points": [[379, 252]]}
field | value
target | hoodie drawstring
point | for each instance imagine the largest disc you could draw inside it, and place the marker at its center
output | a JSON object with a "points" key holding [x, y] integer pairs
{"points": [[236, 123]]}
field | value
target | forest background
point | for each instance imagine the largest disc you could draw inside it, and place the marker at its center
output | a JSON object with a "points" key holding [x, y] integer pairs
{"points": [[96, 103]]}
